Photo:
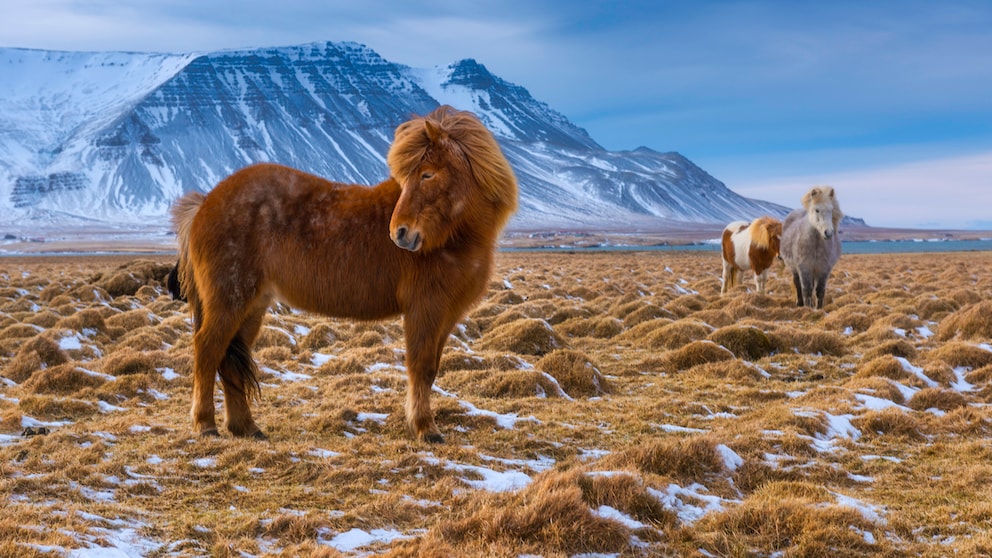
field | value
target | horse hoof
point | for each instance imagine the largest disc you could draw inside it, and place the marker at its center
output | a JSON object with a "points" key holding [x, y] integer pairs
{"points": [[433, 438], [209, 433], [258, 435]]}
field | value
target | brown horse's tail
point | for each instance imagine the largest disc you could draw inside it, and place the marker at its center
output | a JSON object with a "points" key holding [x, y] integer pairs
{"points": [[184, 285], [238, 370]]}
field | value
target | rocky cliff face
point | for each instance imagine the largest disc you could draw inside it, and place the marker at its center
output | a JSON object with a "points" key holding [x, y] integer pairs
{"points": [[117, 136]]}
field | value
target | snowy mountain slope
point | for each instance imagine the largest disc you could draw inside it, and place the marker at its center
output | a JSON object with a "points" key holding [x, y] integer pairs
{"points": [[54, 100], [116, 137]]}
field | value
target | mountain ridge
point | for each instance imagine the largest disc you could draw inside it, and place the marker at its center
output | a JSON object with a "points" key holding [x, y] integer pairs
{"points": [[126, 133]]}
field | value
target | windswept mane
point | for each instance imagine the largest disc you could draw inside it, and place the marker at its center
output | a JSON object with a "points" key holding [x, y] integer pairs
{"points": [[490, 169], [762, 231], [823, 194]]}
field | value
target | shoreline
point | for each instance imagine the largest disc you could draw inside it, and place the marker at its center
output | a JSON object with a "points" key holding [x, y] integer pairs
{"points": [[686, 238]]}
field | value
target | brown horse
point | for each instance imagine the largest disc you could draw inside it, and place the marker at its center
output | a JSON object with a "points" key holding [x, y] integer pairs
{"points": [[419, 244]]}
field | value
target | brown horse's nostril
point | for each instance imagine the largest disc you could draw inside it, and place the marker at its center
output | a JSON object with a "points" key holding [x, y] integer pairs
{"points": [[407, 239]]}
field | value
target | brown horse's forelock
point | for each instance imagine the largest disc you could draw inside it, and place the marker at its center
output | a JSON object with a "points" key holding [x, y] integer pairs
{"points": [[489, 166]]}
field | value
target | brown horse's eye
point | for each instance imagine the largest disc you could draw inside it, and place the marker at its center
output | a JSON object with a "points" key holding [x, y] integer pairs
{"points": [[427, 175]]}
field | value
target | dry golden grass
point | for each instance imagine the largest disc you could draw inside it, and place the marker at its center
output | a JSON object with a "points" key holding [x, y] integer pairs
{"points": [[611, 404]]}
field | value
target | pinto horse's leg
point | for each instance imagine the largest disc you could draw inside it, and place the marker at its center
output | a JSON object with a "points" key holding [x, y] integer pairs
{"points": [[760, 280], [239, 374], [728, 277]]}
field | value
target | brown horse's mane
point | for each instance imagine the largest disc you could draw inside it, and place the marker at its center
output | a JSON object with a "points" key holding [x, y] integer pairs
{"points": [[817, 194], [762, 231], [489, 167]]}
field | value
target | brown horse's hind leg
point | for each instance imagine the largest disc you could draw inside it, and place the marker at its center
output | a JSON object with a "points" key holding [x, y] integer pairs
{"points": [[210, 344], [239, 376]]}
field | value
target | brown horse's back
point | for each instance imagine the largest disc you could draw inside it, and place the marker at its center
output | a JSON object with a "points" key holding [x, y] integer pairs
{"points": [[319, 245]]}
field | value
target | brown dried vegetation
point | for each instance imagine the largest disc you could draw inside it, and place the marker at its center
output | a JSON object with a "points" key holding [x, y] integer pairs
{"points": [[601, 403]]}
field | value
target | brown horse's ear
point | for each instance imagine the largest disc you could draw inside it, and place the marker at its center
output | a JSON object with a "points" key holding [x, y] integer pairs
{"points": [[434, 132]]}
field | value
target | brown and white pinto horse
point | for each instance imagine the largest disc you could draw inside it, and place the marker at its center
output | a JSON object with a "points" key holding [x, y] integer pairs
{"points": [[751, 246], [419, 244]]}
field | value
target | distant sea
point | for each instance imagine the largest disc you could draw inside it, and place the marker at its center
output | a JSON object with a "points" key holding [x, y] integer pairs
{"points": [[849, 247]]}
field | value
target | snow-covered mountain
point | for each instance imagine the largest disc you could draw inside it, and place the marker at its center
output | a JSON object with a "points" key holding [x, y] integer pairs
{"points": [[116, 137]]}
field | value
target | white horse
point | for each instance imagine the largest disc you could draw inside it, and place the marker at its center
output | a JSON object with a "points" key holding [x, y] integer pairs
{"points": [[750, 245], [810, 245]]}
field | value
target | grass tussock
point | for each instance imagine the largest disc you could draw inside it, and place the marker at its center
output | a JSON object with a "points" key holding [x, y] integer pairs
{"points": [[810, 342], [890, 423], [39, 352], [628, 494], [973, 322], [605, 327], [746, 342], [63, 379], [677, 334], [128, 361], [960, 354], [688, 459], [877, 386], [509, 384], [895, 347], [885, 366], [575, 372], [937, 398], [550, 514], [695, 353], [855, 318], [793, 519], [523, 336]]}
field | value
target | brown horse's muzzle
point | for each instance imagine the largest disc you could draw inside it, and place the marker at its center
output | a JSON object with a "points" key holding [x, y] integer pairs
{"points": [[406, 239]]}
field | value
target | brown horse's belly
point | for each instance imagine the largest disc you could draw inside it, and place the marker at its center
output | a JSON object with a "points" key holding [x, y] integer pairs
{"points": [[340, 302]]}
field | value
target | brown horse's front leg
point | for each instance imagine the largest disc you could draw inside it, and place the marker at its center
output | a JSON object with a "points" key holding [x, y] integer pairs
{"points": [[419, 416], [423, 357]]}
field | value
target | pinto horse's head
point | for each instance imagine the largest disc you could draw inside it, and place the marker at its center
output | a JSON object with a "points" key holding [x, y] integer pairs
{"points": [[453, 177], [822, 210]]}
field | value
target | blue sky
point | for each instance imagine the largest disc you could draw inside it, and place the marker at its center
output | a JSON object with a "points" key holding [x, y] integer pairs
{"points": [[888, 101]]}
